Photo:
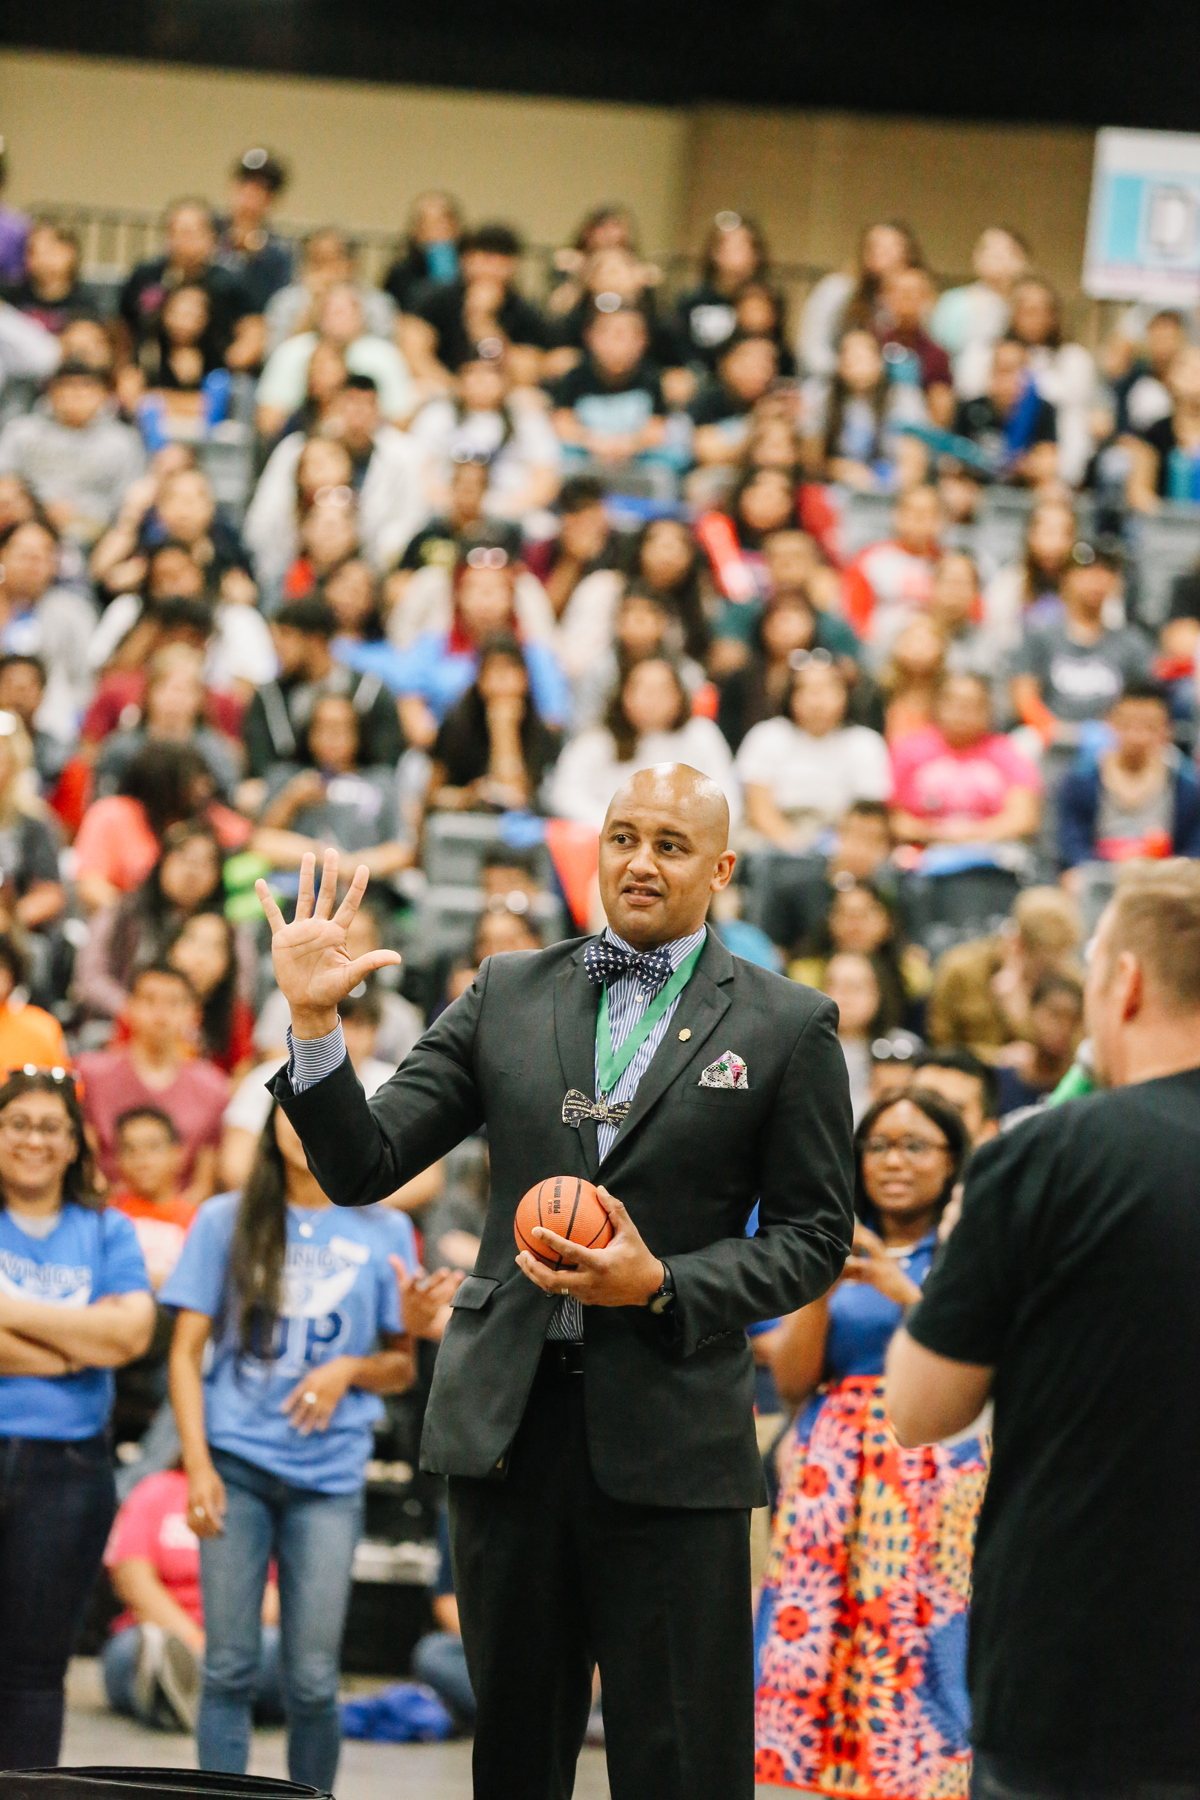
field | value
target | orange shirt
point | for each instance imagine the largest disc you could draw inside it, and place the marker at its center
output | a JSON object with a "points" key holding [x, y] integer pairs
{"points": [[29, 1035], [161, 1226]]}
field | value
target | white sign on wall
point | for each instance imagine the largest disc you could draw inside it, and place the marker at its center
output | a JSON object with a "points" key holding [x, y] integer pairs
{"points": [[1143, 240]]}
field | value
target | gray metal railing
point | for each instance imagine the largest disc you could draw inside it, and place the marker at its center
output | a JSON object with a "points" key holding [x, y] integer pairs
{"points": [[114, 238]]}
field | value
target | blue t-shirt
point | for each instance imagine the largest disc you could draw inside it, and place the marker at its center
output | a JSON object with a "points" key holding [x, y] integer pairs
{"points": [[339, 1294], [87, 1255], [863, 1322], [441, 676]]}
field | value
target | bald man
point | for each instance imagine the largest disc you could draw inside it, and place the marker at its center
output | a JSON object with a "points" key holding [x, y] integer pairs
{"points": [[596, 1424]]}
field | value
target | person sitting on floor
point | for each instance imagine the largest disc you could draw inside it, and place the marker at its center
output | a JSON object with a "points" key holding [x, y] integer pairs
{"points": [[152, 1660]]}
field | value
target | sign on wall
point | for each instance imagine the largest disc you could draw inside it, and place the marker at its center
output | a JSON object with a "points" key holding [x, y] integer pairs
{"points": [[1143, 240]]}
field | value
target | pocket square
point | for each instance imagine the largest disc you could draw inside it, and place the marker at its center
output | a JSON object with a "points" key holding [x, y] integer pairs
{"points": [[729, 1071]]}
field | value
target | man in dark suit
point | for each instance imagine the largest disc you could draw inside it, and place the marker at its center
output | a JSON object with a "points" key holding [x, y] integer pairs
{"points": [[597, 1423]]}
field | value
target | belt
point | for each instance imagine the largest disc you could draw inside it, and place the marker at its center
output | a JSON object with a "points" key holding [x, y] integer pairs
{"points": [[561, 1357]]}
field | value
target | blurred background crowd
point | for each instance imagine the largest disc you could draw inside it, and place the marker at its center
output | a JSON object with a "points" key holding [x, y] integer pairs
{"points": [[423, 570]]}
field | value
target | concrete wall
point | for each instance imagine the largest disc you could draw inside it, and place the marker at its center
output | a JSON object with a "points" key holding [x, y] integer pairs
{"points": [[133, 134], [815, 179]]}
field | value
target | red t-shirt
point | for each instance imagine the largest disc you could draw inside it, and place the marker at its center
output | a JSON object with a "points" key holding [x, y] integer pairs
{"points": [[935, 782], [161, 1226], [121, 688], [152, 1527], [194, 1103]]}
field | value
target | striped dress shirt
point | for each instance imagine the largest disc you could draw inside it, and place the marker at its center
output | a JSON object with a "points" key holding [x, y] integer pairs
{"points": [[627, 1001]]}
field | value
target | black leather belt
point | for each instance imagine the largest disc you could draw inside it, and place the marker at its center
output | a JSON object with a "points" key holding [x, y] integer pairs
{"points": [[562, 1358]]}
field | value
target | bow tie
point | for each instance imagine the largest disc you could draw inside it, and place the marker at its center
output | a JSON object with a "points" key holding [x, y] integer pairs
{"points": [[606, 961], [577, 1107]]}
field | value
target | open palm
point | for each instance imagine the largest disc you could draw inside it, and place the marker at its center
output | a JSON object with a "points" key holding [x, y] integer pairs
{"points": [[312, 966]]}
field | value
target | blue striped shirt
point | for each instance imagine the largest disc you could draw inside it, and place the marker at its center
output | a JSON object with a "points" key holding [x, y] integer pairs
{"points": [[627, 1001]]}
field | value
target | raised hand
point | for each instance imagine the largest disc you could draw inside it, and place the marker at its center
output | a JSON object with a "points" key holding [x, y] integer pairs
{"points": [[312, 966]]}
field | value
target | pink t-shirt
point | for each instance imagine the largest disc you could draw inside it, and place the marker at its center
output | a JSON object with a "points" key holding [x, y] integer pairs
{"points": [[194, 1102], [935, 782], [152, 1526]]}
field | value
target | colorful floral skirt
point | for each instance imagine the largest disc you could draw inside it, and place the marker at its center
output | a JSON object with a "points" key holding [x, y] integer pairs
{"points": [[862, 1622]]}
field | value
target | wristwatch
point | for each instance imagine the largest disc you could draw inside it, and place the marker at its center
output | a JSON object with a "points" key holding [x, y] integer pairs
{"points": [[662, 1301]]}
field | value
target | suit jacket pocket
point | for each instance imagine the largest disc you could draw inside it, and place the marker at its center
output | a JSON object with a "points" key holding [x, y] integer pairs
{"points": [[474, 1293], [714, 1096]]}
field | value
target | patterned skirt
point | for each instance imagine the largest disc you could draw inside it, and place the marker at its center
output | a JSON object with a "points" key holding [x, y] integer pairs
{"points": [[862, 1622]]}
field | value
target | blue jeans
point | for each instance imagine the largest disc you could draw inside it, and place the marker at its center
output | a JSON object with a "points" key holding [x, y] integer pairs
{"points": [[440, 1661], [119, 1662], [993, 1779], [56, 1505], [312, 1538]]}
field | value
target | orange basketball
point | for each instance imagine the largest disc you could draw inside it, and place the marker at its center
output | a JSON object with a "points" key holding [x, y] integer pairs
{"points": [[565, 1204]]}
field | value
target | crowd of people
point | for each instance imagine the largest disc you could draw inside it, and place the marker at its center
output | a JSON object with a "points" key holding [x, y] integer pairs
{"points": [[499, 551]]}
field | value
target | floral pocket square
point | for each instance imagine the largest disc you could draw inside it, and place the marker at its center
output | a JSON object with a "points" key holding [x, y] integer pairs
{"points": [[729, 1071]]}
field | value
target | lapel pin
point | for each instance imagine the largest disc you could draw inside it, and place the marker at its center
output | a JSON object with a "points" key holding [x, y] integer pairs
{"points": [[684, 1035]]}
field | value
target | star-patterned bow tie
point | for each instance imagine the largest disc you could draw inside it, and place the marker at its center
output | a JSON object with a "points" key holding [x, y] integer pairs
{"points": [[576, 1107], [606, 961]]}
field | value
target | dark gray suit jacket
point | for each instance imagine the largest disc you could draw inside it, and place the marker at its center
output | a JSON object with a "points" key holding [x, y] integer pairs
{"points": [[669, 1405]]}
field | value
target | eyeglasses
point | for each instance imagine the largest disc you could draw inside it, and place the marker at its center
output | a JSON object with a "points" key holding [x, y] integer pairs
{"points": [[898, 1049], [479, 558], [809, 659], [53, 1130], [912, 1148]]}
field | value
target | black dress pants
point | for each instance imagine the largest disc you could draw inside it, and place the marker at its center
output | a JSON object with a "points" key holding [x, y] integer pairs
{"points": [[553, 1577]]}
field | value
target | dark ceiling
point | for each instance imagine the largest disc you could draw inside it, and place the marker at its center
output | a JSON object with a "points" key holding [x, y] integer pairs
{"points": [[1049, 60]]}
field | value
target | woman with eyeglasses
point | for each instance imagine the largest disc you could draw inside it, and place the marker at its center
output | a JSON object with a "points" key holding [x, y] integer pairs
{"points": [[803, 771], [75, 1304], [862, 1622]]}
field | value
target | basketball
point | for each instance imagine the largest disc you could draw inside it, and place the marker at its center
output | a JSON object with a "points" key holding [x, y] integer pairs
{"points": [[565, 1204]]}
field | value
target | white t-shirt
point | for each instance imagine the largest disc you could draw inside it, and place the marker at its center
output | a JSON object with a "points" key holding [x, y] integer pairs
{"points": [[251, 1103], [444, 439], [815, 778], [588, 772]]}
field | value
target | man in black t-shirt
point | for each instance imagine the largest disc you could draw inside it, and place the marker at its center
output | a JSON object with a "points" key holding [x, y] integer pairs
{"points": [[234, 334], [610, 407], [276, 725], [483, 302], [1012, 425], [1069, 1293]]}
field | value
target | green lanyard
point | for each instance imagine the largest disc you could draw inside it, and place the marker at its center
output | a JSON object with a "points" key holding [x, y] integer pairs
{"points": [[611, 1064]]}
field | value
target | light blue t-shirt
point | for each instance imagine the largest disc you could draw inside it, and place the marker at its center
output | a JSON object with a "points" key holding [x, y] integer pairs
{"points": [[339, 1294], [87, 1255]]}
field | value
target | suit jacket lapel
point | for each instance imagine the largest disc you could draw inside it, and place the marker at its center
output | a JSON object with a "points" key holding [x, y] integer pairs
{"points": [[576, 1004], [702, 1005]]}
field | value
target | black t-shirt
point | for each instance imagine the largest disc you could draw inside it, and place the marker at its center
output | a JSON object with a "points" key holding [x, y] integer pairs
{"points": [[1185, 597], [55, 315], [1074, 1272], [276, 723], [980, 420], [587, 382], [714, 404], [440, 304], [463, 746], [1161, 437], [28, 853], [228, 298]]}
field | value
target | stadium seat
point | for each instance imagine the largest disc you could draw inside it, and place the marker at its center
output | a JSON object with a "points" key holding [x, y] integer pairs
{"points": [[1165, 545], [941, 911]]}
